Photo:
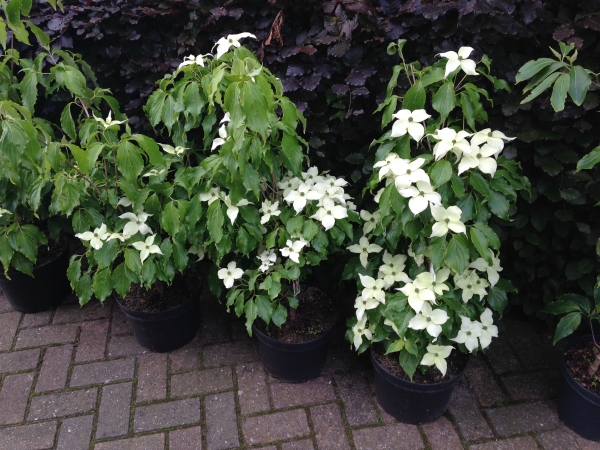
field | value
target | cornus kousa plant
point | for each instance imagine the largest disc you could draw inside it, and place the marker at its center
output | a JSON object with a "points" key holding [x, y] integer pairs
{"points": [[428, 264], [269, 222]]}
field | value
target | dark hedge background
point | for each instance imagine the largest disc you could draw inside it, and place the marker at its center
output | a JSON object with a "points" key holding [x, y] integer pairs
{"points": [[331, 56]]}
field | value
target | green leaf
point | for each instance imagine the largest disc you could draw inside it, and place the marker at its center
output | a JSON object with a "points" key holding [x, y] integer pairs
{"points": [[279, 315], [6, 251], [499, 205], [480, 242], [255, 107], [26, 243], [309, 229], [541, 87], [414, 97], [437, 250], [83, 289], [589, 160], [106, 255], [215, 221], [42, 37], [66, 122], [457, 253], [490, 235], [81, 158], [132, 260], [129, 161], [444, 100], [291, 153], [409, 362], [441, 172], [530, 68], [265, 308], [74, 270], [582, 302], [580, 81], [559, 92], [250, 311], [28, 87], [151, 148], [567, 325], [480, 184], [170, 220], [3, 34], [103, 284], [560, 307]]}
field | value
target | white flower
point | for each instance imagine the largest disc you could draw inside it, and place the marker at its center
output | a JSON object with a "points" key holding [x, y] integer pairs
{"points": [[371, 220], [408, 122], [329, 212], [124, 201], [359, 330], [372, 288], [230, 274], [192, 60], [389, 323], [491, 269], [364, 248], [378, 195], [137, 222], [233, 210], [362, 304], [210, 196], [417, 258], [393, 269], [456, 60], [289, 184], [119, 236], [217, 142], [95, 237], [438, 284], [147, 247], [268, 209], [480, 157], [226, 118], [299, 196], [233, 40], [311, 176], [331, 182], [446, 219], [437, 354], [429, 319], [420, 196], [293, 249], [471, 284], [419, 291], [153, 172], [109, 121], [450, 140], [385, 165], [468, 334], [267, 259], [408, 172], [493, 138], [173, 150], [4, 211], [488, 329], [199, 251]]}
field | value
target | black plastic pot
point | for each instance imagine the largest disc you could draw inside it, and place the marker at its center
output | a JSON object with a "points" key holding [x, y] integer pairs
{"points": [[166, 330], [412, 402], [578, 408], [293, 363], [46, 290]]}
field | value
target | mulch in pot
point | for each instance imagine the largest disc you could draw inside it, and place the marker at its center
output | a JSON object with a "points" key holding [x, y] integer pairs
{"points": [[456, 363], [315, 316], [53, 250], [578, 359]]}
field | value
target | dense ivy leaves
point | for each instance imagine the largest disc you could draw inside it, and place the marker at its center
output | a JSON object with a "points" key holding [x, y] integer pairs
{"points": [[332, 61]]}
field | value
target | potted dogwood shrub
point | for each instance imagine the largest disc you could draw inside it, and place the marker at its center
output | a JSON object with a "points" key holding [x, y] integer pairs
{"points": [[428, 264], [270, 219]]}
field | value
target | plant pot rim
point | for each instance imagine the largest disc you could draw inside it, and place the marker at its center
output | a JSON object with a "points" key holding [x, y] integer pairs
{"points": [[269, 339], [41, 267], [431, 387], [567, 372]]}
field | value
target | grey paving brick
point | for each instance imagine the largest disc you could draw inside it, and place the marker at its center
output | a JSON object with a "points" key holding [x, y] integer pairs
{"points": [[186, 358], [75, 313], [230, 353], [275, 427], [64, 404], [523, 418], [584, 444], [214, 329], [14, 397], [502, 357], [482, 383], [167, 415], [51, 334], [304, 444], [316, 390], [518, 443], [126, 345], [8, 327], [252, 388], [149, 442], [152, 377], [28, 437], [103, 372], [55, 368], [75, 433], [186, 439], [541, 385], [36, 320], [17, 361], [442, 435], [356, 396], [221, 422], [329, 427], [201, 382], [92, 341], [115, 406], [471, 423], [533, 354], [397, 436], [559, 439]]}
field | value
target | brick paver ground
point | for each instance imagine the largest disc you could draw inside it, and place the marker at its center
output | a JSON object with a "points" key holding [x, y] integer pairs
{"points": [[75, 378]]}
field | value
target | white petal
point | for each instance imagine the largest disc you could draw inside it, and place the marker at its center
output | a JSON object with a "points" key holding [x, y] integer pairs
{"points": [[417, 205], [416, 130], [451, 66], [468, 65], [439, 229], [488, 165], [464, 52], [419, 115]]}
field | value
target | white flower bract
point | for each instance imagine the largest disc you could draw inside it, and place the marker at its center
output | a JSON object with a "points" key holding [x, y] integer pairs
{"points": [[456, 60], [147, 247], [229, 274]]}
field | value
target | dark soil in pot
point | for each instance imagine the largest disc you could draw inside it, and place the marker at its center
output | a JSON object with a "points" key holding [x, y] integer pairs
{"points": [[578, 358], [314, 317], [457, 361]]}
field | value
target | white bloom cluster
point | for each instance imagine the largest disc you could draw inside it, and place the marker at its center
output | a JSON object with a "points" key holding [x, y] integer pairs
{"points": [[473, 333], [267, 259], [223, 45], [215, 194]]}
